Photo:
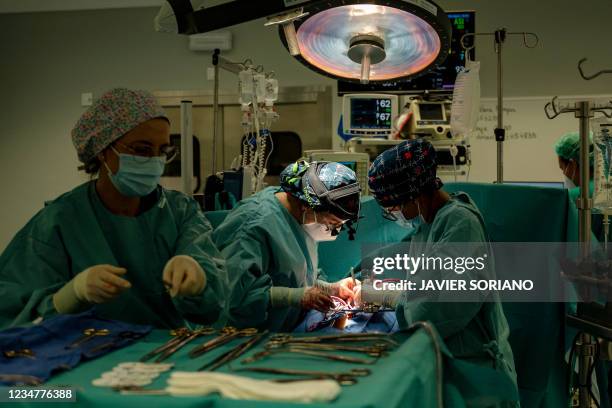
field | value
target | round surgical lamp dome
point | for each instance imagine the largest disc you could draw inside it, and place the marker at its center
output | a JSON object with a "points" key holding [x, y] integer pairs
{"points": [[378, 41]]}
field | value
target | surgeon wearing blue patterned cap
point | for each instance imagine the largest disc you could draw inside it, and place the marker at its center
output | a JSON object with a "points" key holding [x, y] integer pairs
{"points": [[404, 182], [270, 242]]}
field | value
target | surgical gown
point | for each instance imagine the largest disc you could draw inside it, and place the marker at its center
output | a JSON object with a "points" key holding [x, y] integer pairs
{"points": [[264, 246], [474, 331], [76, 231]]}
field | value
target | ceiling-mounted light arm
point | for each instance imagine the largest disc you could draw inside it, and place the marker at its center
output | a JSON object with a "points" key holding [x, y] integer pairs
{"points": [[227, 14], [286, 20]]}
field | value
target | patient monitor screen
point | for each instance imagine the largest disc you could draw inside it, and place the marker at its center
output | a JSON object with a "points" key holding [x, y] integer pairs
{"points": [[371, 113], [431, 111]]}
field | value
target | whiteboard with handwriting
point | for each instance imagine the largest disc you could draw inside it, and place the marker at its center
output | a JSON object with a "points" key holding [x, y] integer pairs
{"points": [[530, 137]]}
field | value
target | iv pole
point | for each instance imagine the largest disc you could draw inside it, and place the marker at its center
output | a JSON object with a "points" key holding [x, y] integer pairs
{"points": [[583, 110], [500, 133], [234, 67]]}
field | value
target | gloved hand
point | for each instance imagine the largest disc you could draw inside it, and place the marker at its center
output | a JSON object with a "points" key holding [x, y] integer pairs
{"points": [[357, 296], [184, 276], [307, 298], [315, 298], [97, 284], [345, 288]]}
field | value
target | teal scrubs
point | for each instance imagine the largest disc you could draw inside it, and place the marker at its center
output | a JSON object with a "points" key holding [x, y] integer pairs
{"points": [[76, 231], [597, 226], [474, 331], [264, 246], [574, 193]]}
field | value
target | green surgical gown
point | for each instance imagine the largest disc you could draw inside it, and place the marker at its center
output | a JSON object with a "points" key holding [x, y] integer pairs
{"points": [[474, 331], [76, 231], [264, 246]]}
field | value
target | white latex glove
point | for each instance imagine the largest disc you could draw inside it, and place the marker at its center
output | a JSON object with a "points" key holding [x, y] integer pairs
{"points": [[184, 276], [100, 283], [97, 284], [345, 288], [315, 298]]}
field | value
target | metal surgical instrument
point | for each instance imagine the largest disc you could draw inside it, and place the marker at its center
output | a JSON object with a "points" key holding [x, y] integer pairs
{"points": [[356, 337], [19, 353], [345, 359], [124, 335], [204, 331], [343, 378], [88, 334], [178, 334], [234, 353], [227, 335], [373, 351]]}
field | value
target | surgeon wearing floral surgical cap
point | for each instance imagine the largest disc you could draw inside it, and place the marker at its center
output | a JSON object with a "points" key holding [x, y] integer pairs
{"points": [[403, 181], [120, 243], [270, 243]]}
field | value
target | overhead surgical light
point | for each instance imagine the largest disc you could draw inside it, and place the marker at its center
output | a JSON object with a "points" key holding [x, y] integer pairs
{"points": [[372, 42], [353, 40]]}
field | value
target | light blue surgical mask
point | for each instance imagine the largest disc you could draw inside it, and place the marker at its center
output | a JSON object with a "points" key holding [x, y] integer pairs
{"points": [[412, 223], [135, 177]]}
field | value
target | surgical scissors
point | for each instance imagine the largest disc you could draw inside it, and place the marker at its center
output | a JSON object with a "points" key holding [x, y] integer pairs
{"points": [[234, 353], [227, 334], [178, 334], [19, 353], [88, 334], [204, 331]]}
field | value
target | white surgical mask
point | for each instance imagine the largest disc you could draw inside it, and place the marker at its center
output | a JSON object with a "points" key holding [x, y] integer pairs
{"points": [[568, 183], [316, 231]]}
